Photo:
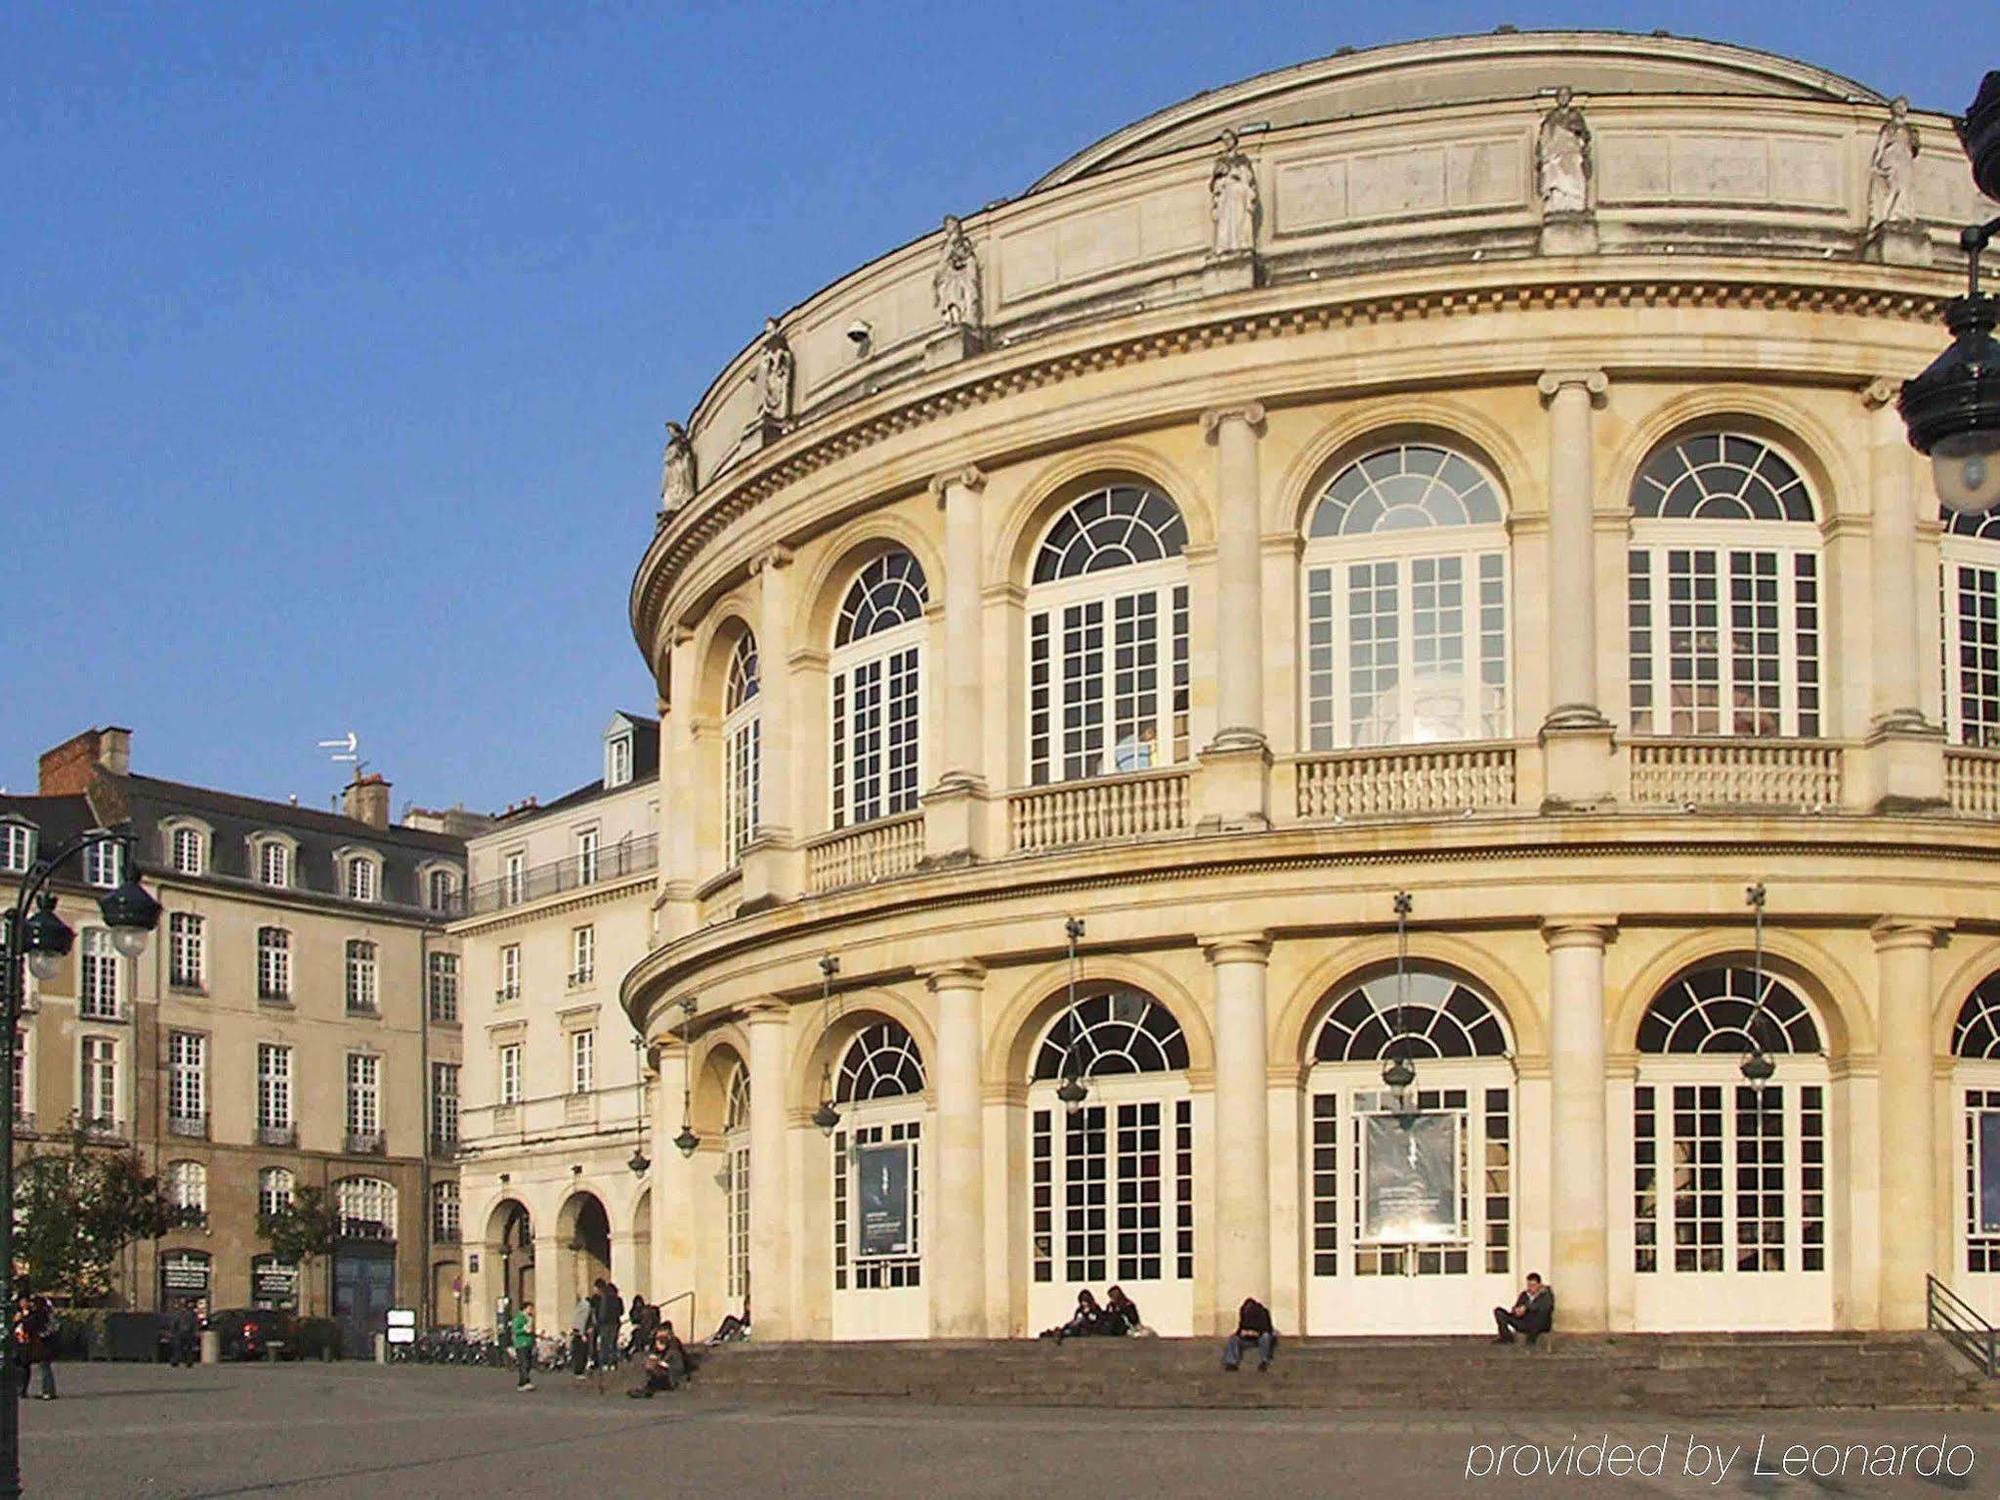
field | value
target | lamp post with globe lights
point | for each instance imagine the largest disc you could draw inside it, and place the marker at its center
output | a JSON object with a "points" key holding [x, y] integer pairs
{"points": [[35, 937]]}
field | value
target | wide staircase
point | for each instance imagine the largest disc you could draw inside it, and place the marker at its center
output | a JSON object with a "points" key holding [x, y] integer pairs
{"points": [[1569, 1373]]}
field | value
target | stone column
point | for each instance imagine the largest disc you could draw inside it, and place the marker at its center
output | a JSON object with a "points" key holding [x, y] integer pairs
{"points": [[674, 899], [1235, 779], [772, 868], [954, 810], [1576, 737], [1579, 1209], [1242, 1122], [1906, 1084], [955, 1217], [673, 1180], [769, 1024], [1906, 752]]}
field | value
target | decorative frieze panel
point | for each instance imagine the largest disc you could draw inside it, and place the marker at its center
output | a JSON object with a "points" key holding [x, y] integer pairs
{"points": [[1658, 167], [1168, 222], [1328, 192]]}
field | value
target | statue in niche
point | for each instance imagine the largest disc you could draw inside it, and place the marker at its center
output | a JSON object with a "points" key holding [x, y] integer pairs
{"points": [[774, 374], [955, 283], [677, 469], [1232, 200], [1562, 158], [1892, 170]]}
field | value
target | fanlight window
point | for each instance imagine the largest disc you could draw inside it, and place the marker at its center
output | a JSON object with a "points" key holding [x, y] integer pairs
{"points": [[1119, 1031], [1435, 1015], [880, 1063], [1712, 1010], [367, 1207], [1970, 583], [1406, 604], [742, 739], [1723, 592], [1108, 687], [877, 693], [736, 1105], [1976, 1034]]}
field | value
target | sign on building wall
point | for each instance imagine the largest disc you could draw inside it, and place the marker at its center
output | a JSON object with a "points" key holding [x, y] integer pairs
{"points": [[884, 1182], [273, 1283], [1411, 1172]]}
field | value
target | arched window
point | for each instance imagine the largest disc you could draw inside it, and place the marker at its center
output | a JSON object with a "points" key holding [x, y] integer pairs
{"points": [[275, 1186], [1406, 603], [1716, 1010], [187, 1190], [876, 669], [1723, 592], [736, 1179], [1971, 628], [1118, 1031], [1975, 1040], [1108, 655], [367, 1207], [736, 1101], [880, 1063], [1976, 1033], [740, 744], [190, 850], [1431, 1015], [274, 861]]}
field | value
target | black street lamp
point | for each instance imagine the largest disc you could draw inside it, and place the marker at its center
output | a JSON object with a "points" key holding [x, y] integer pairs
{"points": [[687, 1142], [827, 1116], [33, 934], [1399, 1072], [1073, 1090], [1757, 1067], [1952, 410]]}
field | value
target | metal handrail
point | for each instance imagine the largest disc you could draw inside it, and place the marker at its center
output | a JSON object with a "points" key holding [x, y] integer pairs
{"points": [[1955, 1321], [627, 857], [688, 1297]]}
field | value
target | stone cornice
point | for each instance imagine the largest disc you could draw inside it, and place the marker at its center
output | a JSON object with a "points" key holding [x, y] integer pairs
{"points": [[1289, 311]]}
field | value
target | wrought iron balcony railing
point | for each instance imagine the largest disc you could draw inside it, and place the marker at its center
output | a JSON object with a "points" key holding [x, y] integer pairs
{"points": [[619, 861]]}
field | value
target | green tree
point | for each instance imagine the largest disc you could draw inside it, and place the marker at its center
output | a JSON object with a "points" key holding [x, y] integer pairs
{"points": [[76, 1209], [300, 1230]]}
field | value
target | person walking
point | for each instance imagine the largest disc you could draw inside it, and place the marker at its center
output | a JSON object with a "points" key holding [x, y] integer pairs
{"points": [[186, 1335], [582, 1331], [524, 1347], [34, 1332]]}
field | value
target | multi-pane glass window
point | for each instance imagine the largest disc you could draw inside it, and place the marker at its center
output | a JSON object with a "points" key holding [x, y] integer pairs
{"points": [[1406, 624], [876, 683], [1723, 593], [515, 880], [444, 1212], [104, 864], [510, 972], [187, 1188], [586, 856], [17, 848], [442, 986], [189, 847], [274, 1086], [1971, 633], [582, 1060], [361, 977], [361, 878], [741, 743], [185, 955], [98, 976], [444, 1103], [367, 1208], [364, 1094], [187, 1078], [881, 1065], [510, 1073], [274, 862], [1107, 638], [441, 885], [275, 1186], [582, 955], [736, 1179], [274, 964], [99, 1094]]}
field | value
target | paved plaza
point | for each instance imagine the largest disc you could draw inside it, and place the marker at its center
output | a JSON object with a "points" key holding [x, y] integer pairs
{"points": [[409, 1432]]}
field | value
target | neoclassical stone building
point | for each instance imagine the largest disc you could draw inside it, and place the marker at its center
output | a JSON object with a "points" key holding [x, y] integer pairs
{"points": [[1467, 469]]}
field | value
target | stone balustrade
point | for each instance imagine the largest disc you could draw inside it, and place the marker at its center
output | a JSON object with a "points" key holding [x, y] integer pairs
{"points": [[1736, 773], [1405, 781], [1091, 812], [859, 856], [1972, 782]]}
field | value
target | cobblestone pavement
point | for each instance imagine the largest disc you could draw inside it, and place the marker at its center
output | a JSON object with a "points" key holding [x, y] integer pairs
{"points": [[318, 1430]]}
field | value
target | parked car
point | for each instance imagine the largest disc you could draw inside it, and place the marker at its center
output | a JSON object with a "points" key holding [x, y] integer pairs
{"points": [[256, 1333]]}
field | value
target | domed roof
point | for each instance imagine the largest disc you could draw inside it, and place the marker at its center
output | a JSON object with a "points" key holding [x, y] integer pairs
{"points": [[1463, 70]]}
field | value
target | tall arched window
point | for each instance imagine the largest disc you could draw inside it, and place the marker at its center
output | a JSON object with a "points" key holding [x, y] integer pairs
{"points": [[736, 1179], [1406, 603], [187, 1190], [275, 1186], [878, 1172], [1108, 638], [367, 1207], [740, 742], [881, 1062], [1971, 629], [1729, 1175], [1723, 592], [876, 672], [1975, 1044]]}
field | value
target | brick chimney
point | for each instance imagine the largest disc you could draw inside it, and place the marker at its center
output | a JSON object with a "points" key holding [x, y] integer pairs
{"points": [[366, 800], [66, 770]]}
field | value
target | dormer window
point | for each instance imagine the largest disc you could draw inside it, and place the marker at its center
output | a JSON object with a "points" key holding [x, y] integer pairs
{"points": [[440, 886], [363, 880], [274, 862], [104, 864], [17, 848], [618, 759], [188, 850]]}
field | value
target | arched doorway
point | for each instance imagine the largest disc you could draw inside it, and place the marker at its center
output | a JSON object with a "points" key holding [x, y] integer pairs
{"points": [[736, 1190], [1730, 1180], [1975, 1206], [1112, 1175], [1410, 1192], [583, 1229], [511, 1233], [878, 1176]]}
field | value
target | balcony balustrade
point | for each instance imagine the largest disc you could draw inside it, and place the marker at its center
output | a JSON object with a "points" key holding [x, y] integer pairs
{"points": [[277, 1135], [1972, 782], [1405, 781], [191, 1127], [1100, 811], [859, 856], [619, 861], [1794, 774]]}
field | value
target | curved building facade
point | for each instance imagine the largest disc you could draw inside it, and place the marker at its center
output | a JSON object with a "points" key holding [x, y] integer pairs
{"points": [[1465, 471]]}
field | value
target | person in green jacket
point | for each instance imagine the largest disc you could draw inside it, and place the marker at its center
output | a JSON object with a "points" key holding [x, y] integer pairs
{"points": [[524, 1346]]}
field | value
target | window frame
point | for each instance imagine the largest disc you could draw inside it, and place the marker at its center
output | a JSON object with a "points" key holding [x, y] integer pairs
{"points": [[274, 965], [275, 1109], [742, 749], [364, 978], [364, 1094], [17, 834]]}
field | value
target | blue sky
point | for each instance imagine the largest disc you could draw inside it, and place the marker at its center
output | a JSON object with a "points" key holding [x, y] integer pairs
{"points": [[335, 341]]}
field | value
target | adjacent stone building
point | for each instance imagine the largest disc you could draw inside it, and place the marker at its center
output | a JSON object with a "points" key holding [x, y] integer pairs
{"points": [[1466, 469], [294, 1022]]}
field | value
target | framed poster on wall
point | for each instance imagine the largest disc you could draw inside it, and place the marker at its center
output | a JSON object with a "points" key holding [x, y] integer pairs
{"points": [[1410, 1179], [882, 1175]]}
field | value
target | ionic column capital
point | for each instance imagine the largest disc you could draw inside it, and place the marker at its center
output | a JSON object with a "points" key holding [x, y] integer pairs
{"points": [[1883, 390], [1249, 413], [766, 1012], [1237, 948], [1892, 933], [959, 974], [964, 477], [772, 558], [1579, 932], [1553, 382]]}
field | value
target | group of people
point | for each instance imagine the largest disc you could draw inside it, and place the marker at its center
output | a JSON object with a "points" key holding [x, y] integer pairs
{"points": [[34, 1340], [1118, 1317]]}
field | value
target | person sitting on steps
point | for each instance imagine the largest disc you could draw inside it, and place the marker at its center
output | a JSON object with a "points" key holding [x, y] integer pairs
{"points": [[1121, 1313], [1086, 1322], [667, 1363], [1533, 1313], [732, 1327], [1253, 1326]]}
